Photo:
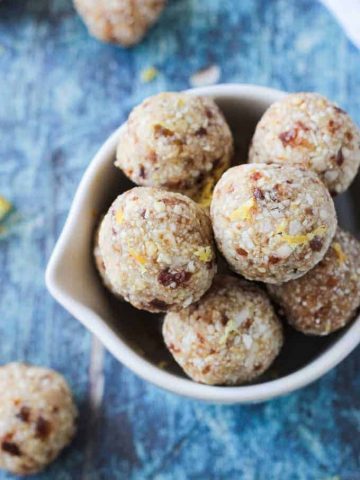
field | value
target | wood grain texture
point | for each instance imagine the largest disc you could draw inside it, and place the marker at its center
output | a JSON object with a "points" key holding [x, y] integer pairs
{"points": [[61, 94]]}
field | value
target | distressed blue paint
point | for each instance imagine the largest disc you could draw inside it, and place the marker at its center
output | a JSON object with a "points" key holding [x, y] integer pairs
{"points": [[61, 94]]}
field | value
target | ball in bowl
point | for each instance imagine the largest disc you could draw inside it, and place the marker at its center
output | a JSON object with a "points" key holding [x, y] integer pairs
{"points": [[326, 298], [157, 248], [308, 130], [272, 223], [176, 141], [37, 417], [99, 261], [229, 337]]}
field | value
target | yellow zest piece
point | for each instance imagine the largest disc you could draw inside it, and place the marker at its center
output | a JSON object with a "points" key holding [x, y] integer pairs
{"points": [[243, 212], [149, 74], [206, 194], [295, 240], [5, 207], [180, 102], [119, 217], [139, 258], [339, 252], [230, 327], [281, 228], [204, 253]]}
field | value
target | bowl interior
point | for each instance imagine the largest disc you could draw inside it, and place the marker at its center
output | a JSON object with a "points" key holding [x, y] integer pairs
{"points": [[141, 331]]}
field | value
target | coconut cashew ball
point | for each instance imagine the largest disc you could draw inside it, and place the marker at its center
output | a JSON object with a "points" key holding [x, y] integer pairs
{"points": [[157, 248], [37, 417], [326, 298], [272, 223], [99, 263], [308, 130], [178, 142], [229, 337], [119, 21]]}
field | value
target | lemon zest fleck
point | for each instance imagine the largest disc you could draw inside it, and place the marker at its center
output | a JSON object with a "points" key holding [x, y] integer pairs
{"points": [[149, 74], [204, 253], [119, 217], [139, 258], [5, 207], [339, 252], [301, 239], [244, 211]]}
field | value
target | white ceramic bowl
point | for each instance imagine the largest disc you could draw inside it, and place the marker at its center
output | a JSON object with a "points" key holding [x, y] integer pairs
{"points": [[134, 337]]}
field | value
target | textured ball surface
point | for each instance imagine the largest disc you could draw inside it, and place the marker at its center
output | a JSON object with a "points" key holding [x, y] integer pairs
{"points": [[272, 223], [119, 21], [308, 130], [326, 298], [158, 249], [229, 337], [37, 417], [176, 141], [100, 265]]}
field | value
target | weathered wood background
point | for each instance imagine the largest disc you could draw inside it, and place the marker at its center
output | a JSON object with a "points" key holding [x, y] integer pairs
{"points": [[61, 94]]}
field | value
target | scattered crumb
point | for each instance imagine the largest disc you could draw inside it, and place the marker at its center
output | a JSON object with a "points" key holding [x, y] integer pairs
{"points": [[149, 74], [163, 364], [5, 207], [206, 76]]}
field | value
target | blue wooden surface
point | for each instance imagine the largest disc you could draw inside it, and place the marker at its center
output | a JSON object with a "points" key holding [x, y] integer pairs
{"points": [[61, 95]]}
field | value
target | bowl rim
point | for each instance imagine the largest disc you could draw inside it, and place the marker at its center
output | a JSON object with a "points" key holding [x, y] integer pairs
{"points": [[133, 360]]}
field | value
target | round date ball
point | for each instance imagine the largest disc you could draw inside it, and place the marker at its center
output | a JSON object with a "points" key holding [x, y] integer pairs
{"points": [[308, 130], [157, 248], [178, 142], [99, 261], [119, 21], [272, 223], [229, 337], [37, 417], [100, 265], [326, 298]]}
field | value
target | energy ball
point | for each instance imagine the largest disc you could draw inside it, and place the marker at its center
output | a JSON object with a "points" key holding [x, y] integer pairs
{"points": [[178, 142], [157, 248], [326, 298], [229, 337], [37, 417], [99, 263], [119, 21], [272, 223], [308, 130]]}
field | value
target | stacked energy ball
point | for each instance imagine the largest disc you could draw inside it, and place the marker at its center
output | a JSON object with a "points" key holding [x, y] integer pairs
{"points": [[272, 219]]}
